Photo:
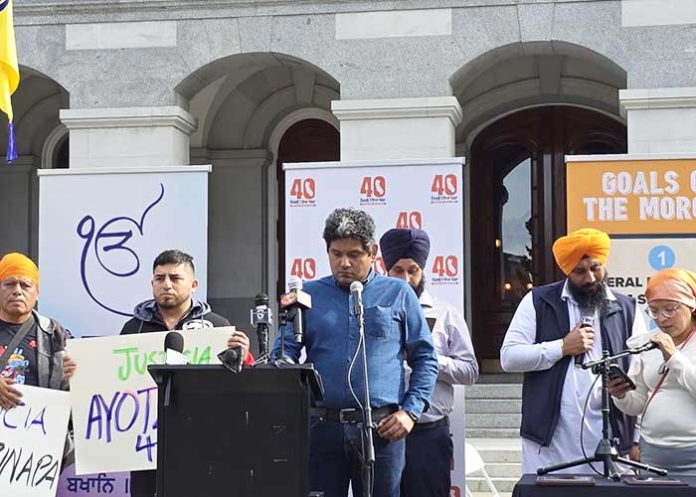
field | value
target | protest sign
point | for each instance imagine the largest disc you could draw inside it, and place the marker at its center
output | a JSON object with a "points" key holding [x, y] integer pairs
{"points": [[32, 439], [114, 398]]}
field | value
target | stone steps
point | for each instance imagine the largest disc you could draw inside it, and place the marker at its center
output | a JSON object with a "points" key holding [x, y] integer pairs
{"points": [[504, 420], [474, 406]]}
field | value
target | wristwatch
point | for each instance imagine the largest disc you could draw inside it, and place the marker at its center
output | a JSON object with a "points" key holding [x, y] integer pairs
{"points": [[412, 416]]}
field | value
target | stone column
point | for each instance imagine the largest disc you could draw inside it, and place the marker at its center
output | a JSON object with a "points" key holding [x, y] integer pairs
{"points": [[397, 128], [237, 222], [660, 120], [129, 136]]}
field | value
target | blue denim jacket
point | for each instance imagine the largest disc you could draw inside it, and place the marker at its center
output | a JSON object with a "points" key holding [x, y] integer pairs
{"points": [[395, 329]]}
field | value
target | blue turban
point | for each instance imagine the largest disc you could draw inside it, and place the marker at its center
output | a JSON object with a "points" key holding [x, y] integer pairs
{"points": [[405, 243]]}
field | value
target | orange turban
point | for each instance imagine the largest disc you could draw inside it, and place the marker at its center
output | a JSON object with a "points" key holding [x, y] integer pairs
{"points": [[18, 265], [569, 250], [674, 284]]}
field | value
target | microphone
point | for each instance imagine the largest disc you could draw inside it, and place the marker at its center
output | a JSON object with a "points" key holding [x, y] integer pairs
{"points": [[231, 359], [356, 289], [174, 355], [261, 319], [174, 349], [296, 301], [643, 348], [587, 320], [639, 339]]}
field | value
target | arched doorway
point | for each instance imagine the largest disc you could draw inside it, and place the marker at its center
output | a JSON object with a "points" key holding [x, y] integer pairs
{"points": [[310, 140], [518, 197], [36, 104], [245, 104]]}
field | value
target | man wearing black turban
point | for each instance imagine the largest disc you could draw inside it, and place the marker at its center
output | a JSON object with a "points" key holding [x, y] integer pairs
{"points": [[429, 445]]}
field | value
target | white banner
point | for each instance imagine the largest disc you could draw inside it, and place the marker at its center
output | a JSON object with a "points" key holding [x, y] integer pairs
{"points": [[99, 232], [114, 398], [32, 439], [425, 194]]}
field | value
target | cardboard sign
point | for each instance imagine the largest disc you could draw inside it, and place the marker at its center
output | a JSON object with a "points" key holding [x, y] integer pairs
{"points": [[32, 439], [114, 398]]}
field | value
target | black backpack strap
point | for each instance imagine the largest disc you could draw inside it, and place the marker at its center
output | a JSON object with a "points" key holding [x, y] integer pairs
{"points": [[19, 336]]}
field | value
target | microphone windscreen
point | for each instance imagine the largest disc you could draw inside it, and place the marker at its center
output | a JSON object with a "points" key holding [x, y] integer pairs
{"points": [[641, 338], [356, 286], [174, 341], [294, 283], [261, 299]]}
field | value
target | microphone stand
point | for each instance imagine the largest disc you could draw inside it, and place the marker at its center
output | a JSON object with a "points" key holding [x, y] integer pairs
{"points": [[606, 451], [368, 449], [282, 359]]}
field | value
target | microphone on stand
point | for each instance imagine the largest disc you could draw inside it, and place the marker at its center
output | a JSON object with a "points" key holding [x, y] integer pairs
{"points": [[174, 349], [587, 320], [174, 355], [356, 289], [643, 348], [296, 302], [262, 319]]}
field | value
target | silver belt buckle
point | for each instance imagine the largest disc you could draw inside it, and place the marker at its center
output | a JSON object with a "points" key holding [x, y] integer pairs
{"points": [[343, 413]]}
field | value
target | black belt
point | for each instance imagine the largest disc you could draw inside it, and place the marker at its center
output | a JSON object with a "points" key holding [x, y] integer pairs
{"points": [[353, 415], [433, 424]]}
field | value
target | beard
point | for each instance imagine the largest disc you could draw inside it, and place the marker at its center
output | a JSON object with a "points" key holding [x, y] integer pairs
{"points": [[419, 288], [591, 297]]}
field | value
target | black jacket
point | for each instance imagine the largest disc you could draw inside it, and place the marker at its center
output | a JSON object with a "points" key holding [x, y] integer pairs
{"points": [[147, 319]]}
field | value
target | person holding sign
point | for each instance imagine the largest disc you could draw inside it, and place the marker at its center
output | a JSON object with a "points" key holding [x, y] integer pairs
{"points": [[667, 430], [32, 346], [395, 330], [174, 308], [547, 340], [429, 449]]}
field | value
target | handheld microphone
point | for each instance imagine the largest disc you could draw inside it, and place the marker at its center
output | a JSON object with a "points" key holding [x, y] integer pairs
{"points": [[296, 301], [174, 349], [262, 319], [587, 320], [356, 289]]}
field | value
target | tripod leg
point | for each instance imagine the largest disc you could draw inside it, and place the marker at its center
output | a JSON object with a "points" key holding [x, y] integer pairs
{"points": [[643, 466], [570, 464]]}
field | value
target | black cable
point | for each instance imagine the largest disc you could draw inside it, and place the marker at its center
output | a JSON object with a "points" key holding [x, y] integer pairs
{"points": [[582, 425]]}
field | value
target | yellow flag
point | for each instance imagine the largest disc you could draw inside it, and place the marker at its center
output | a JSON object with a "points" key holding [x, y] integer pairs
{"points": [[9, 70]]}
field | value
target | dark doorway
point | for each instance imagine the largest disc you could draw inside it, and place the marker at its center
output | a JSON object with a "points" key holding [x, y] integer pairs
{"points": [[518, 207], [311, 140]]}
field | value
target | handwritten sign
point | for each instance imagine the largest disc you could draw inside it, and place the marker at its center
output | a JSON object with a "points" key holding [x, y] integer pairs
{"points": [[96, 249], [32, 439], [114, 398], [632, 196]]}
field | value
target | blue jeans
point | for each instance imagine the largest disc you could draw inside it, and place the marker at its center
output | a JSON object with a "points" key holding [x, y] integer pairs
{"points": [[334, 461]]}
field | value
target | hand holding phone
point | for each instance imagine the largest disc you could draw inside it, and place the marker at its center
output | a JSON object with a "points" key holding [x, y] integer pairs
{"points": [[615, 372]]}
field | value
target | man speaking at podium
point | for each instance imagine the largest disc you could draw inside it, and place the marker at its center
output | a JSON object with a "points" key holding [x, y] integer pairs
{"points": [[395, 329], [547, 341]]}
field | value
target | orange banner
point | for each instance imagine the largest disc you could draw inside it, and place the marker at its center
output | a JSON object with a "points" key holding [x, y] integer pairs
{"points": [[645, 196]]}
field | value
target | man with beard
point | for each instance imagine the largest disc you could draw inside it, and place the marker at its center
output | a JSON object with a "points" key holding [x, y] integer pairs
{"points": [[545, 335], [174, 308], [429, 448]]}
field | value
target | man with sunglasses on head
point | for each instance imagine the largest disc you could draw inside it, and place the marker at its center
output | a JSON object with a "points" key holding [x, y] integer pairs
{"points": [[548, 339]]}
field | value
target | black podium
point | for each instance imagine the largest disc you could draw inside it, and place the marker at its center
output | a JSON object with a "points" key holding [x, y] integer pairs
{"points": [[235, 435]]}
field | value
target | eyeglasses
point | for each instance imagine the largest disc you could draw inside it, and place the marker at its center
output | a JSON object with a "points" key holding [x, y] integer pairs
{"points": [[667, 312]]}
